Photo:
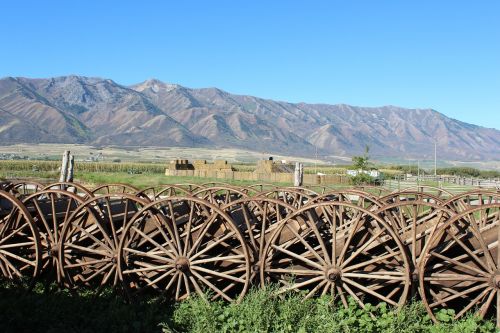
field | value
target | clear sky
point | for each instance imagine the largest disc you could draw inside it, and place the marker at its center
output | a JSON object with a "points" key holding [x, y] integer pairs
{"points": [[435, 54]]}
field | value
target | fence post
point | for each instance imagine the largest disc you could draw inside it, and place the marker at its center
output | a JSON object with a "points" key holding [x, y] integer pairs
{"points": [[64, 166], [298, 175], [71, 166], [301, 174]]}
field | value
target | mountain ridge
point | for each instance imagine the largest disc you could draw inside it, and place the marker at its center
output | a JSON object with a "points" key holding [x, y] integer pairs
{"points": [[92, 110]]}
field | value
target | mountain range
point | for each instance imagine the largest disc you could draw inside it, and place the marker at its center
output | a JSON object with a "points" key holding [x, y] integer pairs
{"points": [[88, 110]]}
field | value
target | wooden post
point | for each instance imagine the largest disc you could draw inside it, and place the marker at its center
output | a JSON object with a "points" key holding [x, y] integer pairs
{"points": [[71, 166], [64, 166], [301, 174], [296, 175]]}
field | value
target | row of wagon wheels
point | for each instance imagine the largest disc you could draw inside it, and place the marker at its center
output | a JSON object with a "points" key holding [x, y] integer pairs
{"points": [[217, 240]]}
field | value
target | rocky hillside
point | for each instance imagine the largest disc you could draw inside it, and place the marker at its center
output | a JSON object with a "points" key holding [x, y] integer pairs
{"points": [[99, 111]]}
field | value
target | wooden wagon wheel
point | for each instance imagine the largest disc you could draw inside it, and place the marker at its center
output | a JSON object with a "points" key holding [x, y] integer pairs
{"points": [[50, 209], [220, 195], [355, 197], [460, 268], [115, 188], [409, 196], [341, 250], [464, 201], [88, 245], [415, 222], [74, 188], [184, 245], [23, 188], [257, 218], [290, 196], [436, 191], [20, 253], [161, 191]]}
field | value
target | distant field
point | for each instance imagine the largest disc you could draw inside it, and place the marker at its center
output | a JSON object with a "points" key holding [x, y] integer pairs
{"points": [[142, 167], [153, 154], [164, 155]]}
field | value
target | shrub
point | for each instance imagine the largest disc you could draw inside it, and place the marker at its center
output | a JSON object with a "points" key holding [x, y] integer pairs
{"points": [[362, 179], [260, 311]]}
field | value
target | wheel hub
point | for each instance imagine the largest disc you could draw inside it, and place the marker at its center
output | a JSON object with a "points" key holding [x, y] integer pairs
{"points": [[182, 264], [333, 274], [496, 280], [52, 251]]}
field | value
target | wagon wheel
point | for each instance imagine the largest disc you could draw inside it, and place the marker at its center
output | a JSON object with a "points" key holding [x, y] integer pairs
{"points": [[415, 222], [290, 196], [257, 218], [436, 191], [115, 188], [376, 190], [341, 250], [50, 209], [460, 268], [74, 188], [262, 187], [355, 197], [409, 196], [20, 253], [23, 188], [88, 245], [161, 191], [184, 245], [463, 201], [220, 195]]}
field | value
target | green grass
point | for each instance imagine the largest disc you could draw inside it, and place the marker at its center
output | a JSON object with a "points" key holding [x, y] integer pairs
{"points": [[148, 179], [260, 311], [141, 180]]}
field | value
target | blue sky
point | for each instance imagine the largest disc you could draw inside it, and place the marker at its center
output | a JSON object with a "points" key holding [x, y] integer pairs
{"points": [[428, 54]]}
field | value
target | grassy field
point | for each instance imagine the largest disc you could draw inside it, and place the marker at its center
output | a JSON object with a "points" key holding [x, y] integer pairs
{"points": [[141, 180], [37, 310], [137, 174]]}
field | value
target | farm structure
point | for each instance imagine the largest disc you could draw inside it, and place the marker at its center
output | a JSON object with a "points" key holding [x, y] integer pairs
{"points": [[186, 239], [266, 171]]}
